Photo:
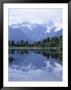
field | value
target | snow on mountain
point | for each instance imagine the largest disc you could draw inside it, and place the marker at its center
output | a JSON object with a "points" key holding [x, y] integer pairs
{"points": [[54, 33], [34, 32], [54, 26]]}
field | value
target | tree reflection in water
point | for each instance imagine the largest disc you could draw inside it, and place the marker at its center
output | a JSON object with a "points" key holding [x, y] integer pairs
{"points": [[44, 52], [43, 64]]}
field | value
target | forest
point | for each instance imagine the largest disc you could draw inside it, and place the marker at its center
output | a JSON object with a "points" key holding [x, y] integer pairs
{"points": [[54, 42]]}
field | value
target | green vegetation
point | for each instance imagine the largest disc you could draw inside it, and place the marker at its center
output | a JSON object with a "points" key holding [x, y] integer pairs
{"points": [[48, 43]]}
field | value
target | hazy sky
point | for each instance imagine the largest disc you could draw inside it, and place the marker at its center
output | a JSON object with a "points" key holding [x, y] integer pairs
{"points": [[34, 15]]}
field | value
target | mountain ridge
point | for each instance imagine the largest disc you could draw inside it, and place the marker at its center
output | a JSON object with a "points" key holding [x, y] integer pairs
{"points": [[32, 32]]}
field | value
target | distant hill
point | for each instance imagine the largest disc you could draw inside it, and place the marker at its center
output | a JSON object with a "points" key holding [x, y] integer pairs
{"points": [[32, 32]]}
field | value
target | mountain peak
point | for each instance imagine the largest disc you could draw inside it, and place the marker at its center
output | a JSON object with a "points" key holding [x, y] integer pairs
{"points": [[33, 32]]}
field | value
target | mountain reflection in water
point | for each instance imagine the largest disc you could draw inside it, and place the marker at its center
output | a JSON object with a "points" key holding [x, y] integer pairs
{"points": [[34, 65]]}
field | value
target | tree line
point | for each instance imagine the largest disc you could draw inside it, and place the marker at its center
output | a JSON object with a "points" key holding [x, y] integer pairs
{"points": [[48, 42]]}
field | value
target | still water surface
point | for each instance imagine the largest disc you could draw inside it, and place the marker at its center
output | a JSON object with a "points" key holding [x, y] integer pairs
{"points": [[34, 65]]}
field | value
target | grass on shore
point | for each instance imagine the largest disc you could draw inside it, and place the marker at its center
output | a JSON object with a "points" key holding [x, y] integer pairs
{"points": [[34, 47]]}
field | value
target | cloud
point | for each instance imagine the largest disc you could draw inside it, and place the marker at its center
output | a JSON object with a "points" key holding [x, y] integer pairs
{"points": [[33, 15]]}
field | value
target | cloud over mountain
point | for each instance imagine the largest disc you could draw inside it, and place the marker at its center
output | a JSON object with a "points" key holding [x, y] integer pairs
{"points": [[34, 31]]}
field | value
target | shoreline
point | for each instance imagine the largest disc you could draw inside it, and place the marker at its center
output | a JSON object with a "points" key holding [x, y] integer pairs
{"points": [[34, 48]]}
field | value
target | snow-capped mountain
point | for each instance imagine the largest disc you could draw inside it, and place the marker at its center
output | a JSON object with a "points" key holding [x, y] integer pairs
{"points": [[33, 32], [16, 34]]}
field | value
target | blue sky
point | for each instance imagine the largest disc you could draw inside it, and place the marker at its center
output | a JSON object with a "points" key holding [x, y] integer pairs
{"points": [[34, 15]]}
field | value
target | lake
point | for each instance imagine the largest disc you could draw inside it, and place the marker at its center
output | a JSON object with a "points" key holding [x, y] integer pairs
{"points": [[34, 65]]}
